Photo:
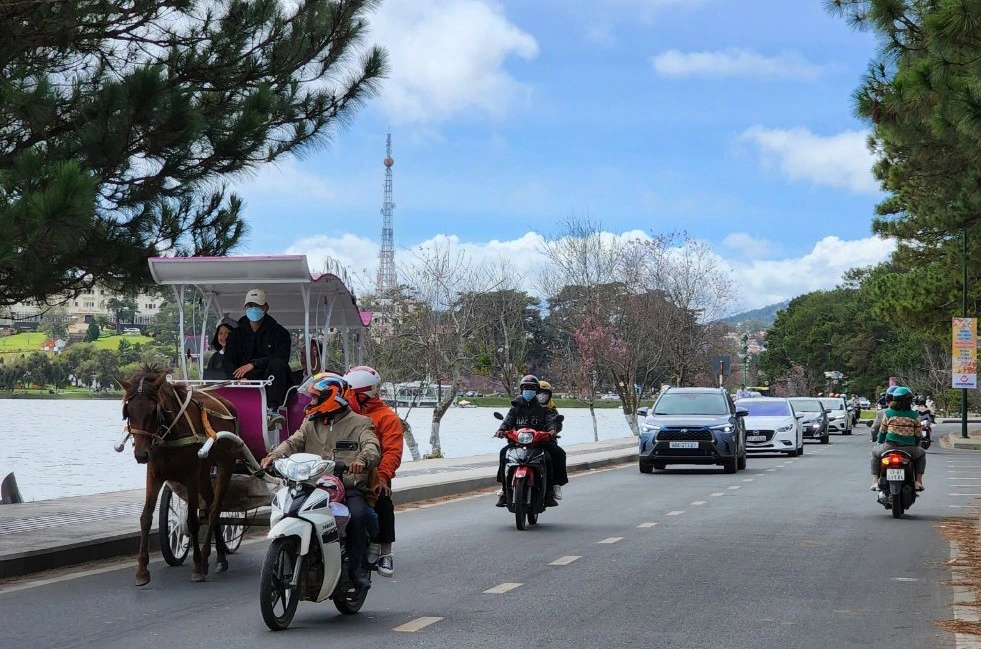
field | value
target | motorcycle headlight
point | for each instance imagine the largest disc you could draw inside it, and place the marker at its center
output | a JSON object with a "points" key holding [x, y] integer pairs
{"points": [[302, 470], [526, 438], [784, 429], [724, 428]]}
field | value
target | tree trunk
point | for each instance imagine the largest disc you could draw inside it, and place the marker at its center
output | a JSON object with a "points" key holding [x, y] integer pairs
{"points": [[632, 423], [410, 440], [592, 413], [440, 410]]}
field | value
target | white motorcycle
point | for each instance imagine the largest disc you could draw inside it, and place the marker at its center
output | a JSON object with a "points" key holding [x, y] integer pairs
{"points": [[306, 559]]}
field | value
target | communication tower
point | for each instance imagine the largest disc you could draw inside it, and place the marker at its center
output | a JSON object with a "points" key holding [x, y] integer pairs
{"points": [[386, 281]]}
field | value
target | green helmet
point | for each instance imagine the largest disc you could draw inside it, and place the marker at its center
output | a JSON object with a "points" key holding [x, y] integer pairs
{"points": [[902, 392]]}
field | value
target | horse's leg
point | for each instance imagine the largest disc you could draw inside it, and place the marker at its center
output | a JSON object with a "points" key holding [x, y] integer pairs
{"points": [[208, 497], [193, 527], [153, 484], [221, 487]]}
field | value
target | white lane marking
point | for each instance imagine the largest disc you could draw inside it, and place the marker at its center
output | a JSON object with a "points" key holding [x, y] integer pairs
{"points": [[611, 540], [698, 502], [961, 506], [417, 624], [735, 486], [973, 495], [642, 525], [677, 512], [747, 479], [718, 493], [770, 470], [564, 561], [502, 588], [905, 579]]}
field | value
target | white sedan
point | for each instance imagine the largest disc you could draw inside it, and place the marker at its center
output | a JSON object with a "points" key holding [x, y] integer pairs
{"points": [[772, 426]]}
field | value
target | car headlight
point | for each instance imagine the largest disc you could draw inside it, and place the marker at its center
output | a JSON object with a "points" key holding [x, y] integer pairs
{"points": [[815, 424], [526, 437], [724, 428], [647, 428], [784, 429]]}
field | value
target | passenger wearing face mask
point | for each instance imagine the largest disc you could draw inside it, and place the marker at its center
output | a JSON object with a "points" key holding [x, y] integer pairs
{"points": [[259, 348], [527, 412]]}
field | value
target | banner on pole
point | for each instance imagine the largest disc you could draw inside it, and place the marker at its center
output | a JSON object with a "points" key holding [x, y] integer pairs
{"points": [[964, 352]]}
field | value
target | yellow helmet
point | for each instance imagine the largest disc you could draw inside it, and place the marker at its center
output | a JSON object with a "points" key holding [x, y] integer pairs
{"points": [[544, 385]]}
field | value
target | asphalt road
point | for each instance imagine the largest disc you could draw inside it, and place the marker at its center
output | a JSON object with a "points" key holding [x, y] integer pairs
{"points": [[792, 553]]}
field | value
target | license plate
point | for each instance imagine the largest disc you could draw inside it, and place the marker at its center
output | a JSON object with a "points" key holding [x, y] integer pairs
{"points": [[683, 445], [896, 474], [756, 438]]}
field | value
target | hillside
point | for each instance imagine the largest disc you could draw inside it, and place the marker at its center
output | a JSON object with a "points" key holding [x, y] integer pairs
{"points": [[765, 315]]}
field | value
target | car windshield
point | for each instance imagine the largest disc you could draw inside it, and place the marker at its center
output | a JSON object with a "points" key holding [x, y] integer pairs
{"points": [[807, 405], [834, 404], [759, 408], [691, 404]]}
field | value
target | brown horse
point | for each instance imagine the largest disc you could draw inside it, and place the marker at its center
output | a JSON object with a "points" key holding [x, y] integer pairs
{"points": [[165, 421]]}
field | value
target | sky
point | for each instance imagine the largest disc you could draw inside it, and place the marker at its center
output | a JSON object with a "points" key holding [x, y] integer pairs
{"points": [[731, 120]]}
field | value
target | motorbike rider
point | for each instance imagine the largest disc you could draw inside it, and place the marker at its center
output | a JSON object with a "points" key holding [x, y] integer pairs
{"points": [[900, 429], [366, 382], [329, 419], [924, 411], [527, 412], [881, 412]]}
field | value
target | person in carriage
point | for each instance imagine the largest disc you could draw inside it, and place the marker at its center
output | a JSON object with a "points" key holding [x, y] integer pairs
{"points": [[329, 419], [218, 342], [259, 348]]}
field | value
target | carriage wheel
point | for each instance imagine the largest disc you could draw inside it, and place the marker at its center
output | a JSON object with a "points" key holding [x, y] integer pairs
{"points": [[174, 543], [232, 534]]}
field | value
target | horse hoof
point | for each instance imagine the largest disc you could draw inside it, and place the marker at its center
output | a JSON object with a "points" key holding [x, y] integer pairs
{"points": [[222, 566], [198, 577], [142, 579]]}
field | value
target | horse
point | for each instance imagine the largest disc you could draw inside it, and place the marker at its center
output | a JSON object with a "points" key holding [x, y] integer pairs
{"points": [[168, 424]]}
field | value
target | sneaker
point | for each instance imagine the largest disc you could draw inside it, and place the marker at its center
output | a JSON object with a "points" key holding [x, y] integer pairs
{"points": [[386, 565], [550, 500], [557, 492], [374, 550], [274, 419], [919, 486], [502, 500], [360, 579]]}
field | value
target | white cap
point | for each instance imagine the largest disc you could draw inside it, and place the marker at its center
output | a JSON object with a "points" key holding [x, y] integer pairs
{"points": [[256, 296]]}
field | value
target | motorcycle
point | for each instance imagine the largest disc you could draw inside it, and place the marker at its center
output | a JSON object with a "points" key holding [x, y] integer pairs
{"points": [[307, 559], [897, 486], [926, 430], [525, 473]]}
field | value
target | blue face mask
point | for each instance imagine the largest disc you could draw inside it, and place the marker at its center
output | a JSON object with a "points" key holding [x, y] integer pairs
{"points": [[254, 313], [528, 395]]}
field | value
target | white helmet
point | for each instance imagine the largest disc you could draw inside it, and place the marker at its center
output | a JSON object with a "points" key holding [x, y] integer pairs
{"points": [[364, 380]]}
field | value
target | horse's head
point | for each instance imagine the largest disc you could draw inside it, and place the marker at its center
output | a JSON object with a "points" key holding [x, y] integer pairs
{"points": [[143, 409]]}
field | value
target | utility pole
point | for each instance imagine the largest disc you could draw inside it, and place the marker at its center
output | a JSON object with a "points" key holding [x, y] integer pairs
{"points": [[964, 315], [745, 356]]}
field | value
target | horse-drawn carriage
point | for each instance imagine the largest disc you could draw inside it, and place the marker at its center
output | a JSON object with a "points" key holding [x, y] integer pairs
{"points": [[316, 305]]}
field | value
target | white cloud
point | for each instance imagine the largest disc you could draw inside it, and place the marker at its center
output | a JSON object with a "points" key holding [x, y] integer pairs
{"points": [[747, 244], [448, 56], [766, 282], [761, 282], [285, 181], [734, 62], [842, 161]]}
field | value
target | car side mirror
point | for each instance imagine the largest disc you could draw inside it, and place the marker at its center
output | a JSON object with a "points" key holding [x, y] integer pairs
{"points": [[742, 413], [498, 416], [828, 410], [641, 412], [800, 416]]}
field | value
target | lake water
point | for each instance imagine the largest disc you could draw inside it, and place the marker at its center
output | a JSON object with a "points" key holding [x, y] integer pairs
{"points": [[60, 448]]}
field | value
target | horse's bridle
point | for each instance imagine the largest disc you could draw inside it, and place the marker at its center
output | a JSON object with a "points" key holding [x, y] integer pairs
{"points": [[160, 439]]}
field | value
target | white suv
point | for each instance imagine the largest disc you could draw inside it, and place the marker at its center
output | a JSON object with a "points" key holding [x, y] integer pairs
{"points": [[839, 419]]}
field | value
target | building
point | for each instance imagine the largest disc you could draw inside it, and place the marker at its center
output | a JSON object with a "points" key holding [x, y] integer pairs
{"points": [[82, 309]]}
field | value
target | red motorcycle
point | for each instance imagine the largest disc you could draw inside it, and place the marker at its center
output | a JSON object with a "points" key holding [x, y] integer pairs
{"points": [[525, 473]]}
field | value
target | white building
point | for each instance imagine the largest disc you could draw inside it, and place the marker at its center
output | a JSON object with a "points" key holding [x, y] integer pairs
{"points": [[81, 309]]}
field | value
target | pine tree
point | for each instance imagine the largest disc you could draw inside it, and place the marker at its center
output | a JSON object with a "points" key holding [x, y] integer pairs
{"points": [[123, 121]]}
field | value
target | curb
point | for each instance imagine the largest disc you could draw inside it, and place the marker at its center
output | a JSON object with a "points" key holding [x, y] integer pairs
{"points": [[33, 561], [955, 441]]}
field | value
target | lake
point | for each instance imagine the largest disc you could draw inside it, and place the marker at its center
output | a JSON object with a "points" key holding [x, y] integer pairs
{"points": [[60, 448]]}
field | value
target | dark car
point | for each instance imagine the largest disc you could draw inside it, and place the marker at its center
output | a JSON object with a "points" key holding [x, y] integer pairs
{"points": [[814, 421], [693, 426]]}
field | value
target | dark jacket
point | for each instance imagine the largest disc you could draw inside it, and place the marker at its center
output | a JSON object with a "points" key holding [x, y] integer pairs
{"points": [[525, 414], [216, 361], [243, 346]]}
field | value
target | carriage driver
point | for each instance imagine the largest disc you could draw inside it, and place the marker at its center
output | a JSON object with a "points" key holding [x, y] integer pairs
{"points": [[329, 419], [259, 348]]}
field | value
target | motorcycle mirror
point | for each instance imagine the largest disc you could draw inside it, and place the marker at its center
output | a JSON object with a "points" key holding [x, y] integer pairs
{"points": [[498, 416]]}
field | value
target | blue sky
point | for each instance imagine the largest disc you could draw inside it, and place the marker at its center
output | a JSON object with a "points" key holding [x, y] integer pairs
{"points": [[730, 119]]}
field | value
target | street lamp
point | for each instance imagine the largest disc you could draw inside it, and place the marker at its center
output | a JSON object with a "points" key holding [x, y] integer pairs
{"points": [[745, 356]]}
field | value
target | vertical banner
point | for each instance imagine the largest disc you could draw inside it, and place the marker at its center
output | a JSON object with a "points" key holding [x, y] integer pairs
{"points": [[965, 353]]}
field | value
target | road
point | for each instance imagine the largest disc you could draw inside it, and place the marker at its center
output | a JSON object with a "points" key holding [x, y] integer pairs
{"points": [[791, 553]]}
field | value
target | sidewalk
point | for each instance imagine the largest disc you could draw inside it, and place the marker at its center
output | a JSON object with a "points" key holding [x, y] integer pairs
{"points": [[50, 534]]}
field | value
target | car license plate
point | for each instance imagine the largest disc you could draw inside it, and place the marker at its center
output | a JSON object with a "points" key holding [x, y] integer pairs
{"points": [[756, 438], [683, 445], [896, 474]]}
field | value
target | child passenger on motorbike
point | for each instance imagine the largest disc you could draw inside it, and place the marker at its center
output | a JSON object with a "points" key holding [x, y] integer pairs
{"points": [[527, 411], [900, 429]]}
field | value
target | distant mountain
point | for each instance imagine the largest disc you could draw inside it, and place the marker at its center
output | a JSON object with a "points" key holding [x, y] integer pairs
{"points": [[765, 315]]}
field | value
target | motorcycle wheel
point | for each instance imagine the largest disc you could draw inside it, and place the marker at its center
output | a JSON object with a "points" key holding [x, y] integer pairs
{"points": [[897, 505], [351, 605], [519, 504], [277, 573]]}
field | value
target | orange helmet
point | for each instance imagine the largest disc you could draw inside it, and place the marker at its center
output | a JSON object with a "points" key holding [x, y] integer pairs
{"points": [[329, 393]]}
